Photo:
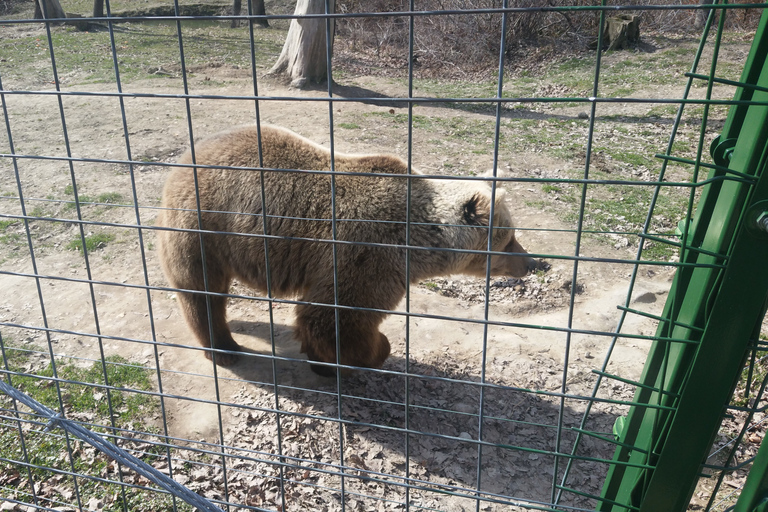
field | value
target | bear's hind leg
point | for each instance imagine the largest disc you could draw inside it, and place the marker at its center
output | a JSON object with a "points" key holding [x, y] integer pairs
{"points": [[196, 313], [373, 356], [379, 352], [361, 342]]}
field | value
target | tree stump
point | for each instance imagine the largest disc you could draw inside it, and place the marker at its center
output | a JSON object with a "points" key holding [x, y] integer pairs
{"points": [[622, 31]]}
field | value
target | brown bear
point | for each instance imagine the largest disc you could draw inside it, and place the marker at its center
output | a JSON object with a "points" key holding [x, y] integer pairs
{"points": [[449, 219]]}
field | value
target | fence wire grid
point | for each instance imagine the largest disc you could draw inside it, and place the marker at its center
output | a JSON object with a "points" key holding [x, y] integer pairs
{"points": [[501, 393]]}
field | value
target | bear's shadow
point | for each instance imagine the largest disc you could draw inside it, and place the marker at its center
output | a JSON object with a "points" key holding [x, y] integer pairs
{"points": [[522, 425]]}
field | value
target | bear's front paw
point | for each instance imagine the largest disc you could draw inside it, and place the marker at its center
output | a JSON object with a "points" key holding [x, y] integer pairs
{"points": [[224, 358], [312, 356], [323, 371]]}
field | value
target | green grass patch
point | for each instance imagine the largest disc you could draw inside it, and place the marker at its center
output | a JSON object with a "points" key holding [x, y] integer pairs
{"points": [[9, 240], [129, 406], [666, 110], [576, 73], [85, 7], [82, 393], [552, 136], [623, 209], [419, 121], [12, 239], [657, 251], [83, 396], [109, 198], [105, 199], [618, 210], [621, 74], [349, 126], [92, 242], [71, 205], [633, 158], [143, 51]]}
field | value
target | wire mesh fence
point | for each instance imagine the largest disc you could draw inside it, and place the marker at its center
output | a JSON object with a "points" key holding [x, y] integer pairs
{"points": [[499, 392]]}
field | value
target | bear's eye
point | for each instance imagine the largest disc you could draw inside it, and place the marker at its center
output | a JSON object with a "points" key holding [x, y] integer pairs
{"points": [[470, 211]]}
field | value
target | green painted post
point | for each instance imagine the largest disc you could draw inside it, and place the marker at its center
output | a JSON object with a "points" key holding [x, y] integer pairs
{"points": [[738, 306]]}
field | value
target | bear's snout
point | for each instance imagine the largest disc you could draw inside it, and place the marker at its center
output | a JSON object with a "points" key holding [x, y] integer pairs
{"points": [[518, 265], [532, 264]]}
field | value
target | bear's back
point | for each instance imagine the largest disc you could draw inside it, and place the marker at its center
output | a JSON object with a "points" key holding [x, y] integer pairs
{"points": [[366, 187]]}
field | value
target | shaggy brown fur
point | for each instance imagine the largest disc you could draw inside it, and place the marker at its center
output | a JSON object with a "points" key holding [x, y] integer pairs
{"points": [[448, 214]]}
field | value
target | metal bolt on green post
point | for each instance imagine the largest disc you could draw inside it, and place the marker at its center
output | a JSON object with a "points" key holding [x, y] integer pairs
{"points": [[762, 221]]}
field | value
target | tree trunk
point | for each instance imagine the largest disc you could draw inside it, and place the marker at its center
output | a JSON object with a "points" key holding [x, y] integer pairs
{"points": [[304, 56], [98, 8], [236, 6], [52, 10], [701, 15], [259, 10]]}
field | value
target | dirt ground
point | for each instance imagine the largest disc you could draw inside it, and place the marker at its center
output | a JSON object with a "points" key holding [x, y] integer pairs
{"points": [[446, 358]]}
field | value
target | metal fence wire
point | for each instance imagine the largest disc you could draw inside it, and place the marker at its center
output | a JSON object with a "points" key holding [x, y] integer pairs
{"points": [[625, 370]]}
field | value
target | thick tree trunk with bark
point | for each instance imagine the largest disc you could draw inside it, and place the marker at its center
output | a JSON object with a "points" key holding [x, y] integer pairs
{"points": [[701, 15], [52, 10], [258, 9], [236, 6], [304, 55], [98, 8]]}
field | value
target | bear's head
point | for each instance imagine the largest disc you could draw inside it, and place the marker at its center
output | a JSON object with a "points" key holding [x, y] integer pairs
{"points": [[476, 212]]}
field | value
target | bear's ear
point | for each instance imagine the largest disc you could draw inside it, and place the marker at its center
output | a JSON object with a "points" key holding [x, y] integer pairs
{"points": [[477, 210]]}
